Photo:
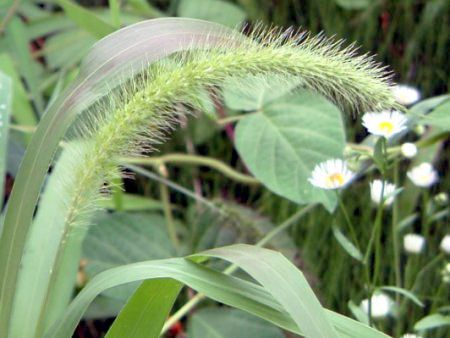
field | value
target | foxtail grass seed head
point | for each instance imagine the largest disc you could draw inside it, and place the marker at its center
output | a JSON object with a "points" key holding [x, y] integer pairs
{"points": [[331, 174], [376, 188], [137, 116], [382, 305], [413, 243], [409, 150], [411, 335], [385, 123], [423, 175], [445, 272], [445, 244], [405, 95]]}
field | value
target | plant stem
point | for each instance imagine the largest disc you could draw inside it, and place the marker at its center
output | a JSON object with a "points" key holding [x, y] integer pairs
{"points": [[9, 15], [231, 119], [395, 242], [266, 239], [348, 221], [194, 159], [173, 185], [165, 199]]}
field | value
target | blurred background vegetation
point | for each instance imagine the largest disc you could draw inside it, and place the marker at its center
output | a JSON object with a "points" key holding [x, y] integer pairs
{"points": [[41, 46]]}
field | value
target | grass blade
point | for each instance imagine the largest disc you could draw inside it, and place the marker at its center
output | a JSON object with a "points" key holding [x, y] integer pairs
{"points": [[22, 112], [284, 282], [5, 111], [17, 40], [86, 19], [216, 285], [144, 314]]}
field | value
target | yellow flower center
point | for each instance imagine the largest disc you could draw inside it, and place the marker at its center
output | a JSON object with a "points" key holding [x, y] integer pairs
{"points": [[335, 180], [386, 127]]}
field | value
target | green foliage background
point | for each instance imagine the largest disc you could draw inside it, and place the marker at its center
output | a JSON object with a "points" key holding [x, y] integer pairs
{"points": [[412, 36]]}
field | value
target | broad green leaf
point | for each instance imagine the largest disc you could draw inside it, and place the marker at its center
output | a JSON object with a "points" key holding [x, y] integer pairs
{"points": [[284, 282], [5, 112], [353, 4], [252, 93], [425, 106], [283, 142], [86, 19], [132, 202], [439, 118], [146, 311], [219, 11], [123, 238], [240, 225], [346, 244], [407, 294], [218, 286], [433, 321], [226, 323]]}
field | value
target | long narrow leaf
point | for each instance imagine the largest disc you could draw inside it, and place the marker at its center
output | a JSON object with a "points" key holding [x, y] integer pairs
{"points": [[284, 282], [144, 314], [113, 60], [86, 19], [5, 111], [18, 43], [218, 286]]}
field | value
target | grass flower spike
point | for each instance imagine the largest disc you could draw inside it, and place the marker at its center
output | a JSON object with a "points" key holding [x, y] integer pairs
{"points": [[405, 95], [376, 189], [413, 243], [385, 123], [445, 244], [409, 150], [331, 174], [381, 305], [423, 175]]}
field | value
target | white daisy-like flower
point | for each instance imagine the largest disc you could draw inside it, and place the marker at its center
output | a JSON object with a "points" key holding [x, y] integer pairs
{"points": [[381, 305], [375, 192], [410, 335], [385, 123], [423, 175], [413, 243], [408, 149], [445, 244], [331, 174], [405, 95]]}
